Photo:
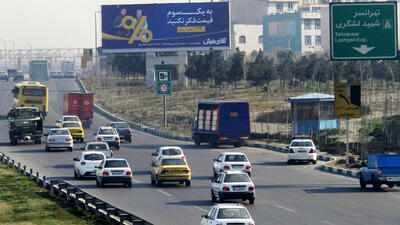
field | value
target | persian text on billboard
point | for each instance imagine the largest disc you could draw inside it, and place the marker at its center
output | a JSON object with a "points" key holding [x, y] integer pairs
{"points": [[165, 27]]}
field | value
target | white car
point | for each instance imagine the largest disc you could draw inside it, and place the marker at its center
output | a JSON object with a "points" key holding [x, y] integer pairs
{"points": [[232, 185], [231, 161], [85, 163], [67, 118], [226, 214], [99, 147], [167, 151], [113, 171], [109, 135], [302, 150], [59, 138]]}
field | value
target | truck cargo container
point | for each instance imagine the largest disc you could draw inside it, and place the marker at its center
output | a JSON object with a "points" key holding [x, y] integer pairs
{"points": [[81, 105], [221, 122], [39, 70]]}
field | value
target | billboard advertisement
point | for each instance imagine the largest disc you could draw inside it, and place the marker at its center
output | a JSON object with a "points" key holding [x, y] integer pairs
{"points": [[165, 27]]}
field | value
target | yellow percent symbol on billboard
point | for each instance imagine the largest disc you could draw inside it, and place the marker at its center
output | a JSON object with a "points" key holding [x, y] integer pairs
{"points": [[137, 29]]}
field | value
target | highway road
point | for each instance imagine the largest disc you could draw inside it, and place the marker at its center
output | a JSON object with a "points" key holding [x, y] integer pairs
{"points": [[285, 194]]}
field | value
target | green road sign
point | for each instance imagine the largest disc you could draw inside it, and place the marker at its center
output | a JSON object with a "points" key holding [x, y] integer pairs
{"points": [[363, 30], [163, 75], [164, 88]]}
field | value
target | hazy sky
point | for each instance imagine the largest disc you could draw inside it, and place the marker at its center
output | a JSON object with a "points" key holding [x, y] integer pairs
{"points": [[54, 23]]}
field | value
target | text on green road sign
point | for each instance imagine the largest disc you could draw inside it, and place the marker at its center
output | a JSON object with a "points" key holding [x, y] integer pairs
{"points": [[363, 30]]}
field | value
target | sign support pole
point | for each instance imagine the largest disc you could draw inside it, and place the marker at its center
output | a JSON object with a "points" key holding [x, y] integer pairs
{"points": [[347, 142], [165, 110]]}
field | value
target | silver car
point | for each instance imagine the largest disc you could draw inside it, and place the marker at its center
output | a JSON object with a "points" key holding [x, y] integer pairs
{"points": [[59, 138], [99, 147]]}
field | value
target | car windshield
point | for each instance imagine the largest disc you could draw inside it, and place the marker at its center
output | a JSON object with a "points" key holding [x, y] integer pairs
{"points": [[233, 214], [59, 132], [231, 178], [301, 144], [169, 162], [71, 118], [235, 158], [119, 125], [97, 147], [115, 163], [171, 151], [71, 125], [92, 157], [106, 131]]}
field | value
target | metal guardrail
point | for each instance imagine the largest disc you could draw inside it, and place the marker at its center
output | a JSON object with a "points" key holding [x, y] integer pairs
{"points": [[77, 196]]}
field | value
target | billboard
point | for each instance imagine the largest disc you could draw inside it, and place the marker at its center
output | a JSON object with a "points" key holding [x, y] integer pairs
{"points": [[165, 27]]}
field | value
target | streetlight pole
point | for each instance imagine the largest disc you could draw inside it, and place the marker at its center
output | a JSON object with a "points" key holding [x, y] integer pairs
{"points": [[5, 54], [95, 33], [13, 55]]}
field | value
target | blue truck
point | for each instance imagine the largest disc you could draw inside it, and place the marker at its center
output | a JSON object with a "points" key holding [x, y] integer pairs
{"points": [[221, 122], [380, 169]]}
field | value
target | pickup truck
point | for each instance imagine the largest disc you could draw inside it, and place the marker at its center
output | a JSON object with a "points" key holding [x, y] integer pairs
{"points": [[380, 169]]}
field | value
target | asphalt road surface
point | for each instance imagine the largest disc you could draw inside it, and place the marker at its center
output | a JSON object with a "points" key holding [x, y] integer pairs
{"points": [[285, 194]]}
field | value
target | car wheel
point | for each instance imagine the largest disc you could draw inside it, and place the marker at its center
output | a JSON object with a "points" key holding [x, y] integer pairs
{"points": [[153, 182], [363, 185], [219, 198], [47, 149], [75, 175], [78, 175], [97, 183], [81, 140], [376, 185], [213, 198], [187, 183], [197, 141], [70, 149], [117, 147], [129, 184], [130, 140], [158, 182], [390, 185], [314, 162], [237, 145], [251, 200]]}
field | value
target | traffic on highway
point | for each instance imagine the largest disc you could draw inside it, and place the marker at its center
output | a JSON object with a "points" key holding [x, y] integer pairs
{"points": [[225, 112], [182, 179]]}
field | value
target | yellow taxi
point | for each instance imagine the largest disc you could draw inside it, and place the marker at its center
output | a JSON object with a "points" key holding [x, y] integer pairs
{"points": [[76, 130], [171, 169]]}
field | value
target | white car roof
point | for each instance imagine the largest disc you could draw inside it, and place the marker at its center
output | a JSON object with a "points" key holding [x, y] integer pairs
{"points": [[107, 128], [302, 140], [69, 116], [96, 142], [229, 205], [116, 159], [235, 172], [58, 129], [92, 152], [233, 153], [169, 147]]}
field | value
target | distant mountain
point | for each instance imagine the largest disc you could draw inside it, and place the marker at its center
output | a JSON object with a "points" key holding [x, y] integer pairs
{"points": [[248, 11]]}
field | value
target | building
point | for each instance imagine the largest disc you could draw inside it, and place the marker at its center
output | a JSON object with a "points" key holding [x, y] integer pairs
{"points": [[247, 37], [294, 25]]}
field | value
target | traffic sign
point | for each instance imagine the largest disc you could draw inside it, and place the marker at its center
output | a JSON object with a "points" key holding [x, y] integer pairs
{"points": [[363, 30], [163, 75], [347, 100], [164, 88]]}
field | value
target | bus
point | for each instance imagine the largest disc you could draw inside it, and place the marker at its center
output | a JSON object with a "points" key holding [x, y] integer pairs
{"points": [[39, 70], [32, 94]]}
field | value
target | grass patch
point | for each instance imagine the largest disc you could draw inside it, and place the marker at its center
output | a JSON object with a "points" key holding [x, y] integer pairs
{"points": [[23, 202]]}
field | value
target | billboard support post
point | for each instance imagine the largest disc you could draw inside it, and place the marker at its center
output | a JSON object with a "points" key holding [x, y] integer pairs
{"points": [[347, 142], [165, 111]]}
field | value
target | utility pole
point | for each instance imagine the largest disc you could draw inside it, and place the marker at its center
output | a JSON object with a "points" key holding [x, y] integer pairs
{"points": [[5, 54]]}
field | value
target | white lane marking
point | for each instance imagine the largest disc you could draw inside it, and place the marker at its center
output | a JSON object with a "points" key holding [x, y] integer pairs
{"points": [[201, 209], [326, 222], [284, 208], [164, 193], [136, 181]]}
